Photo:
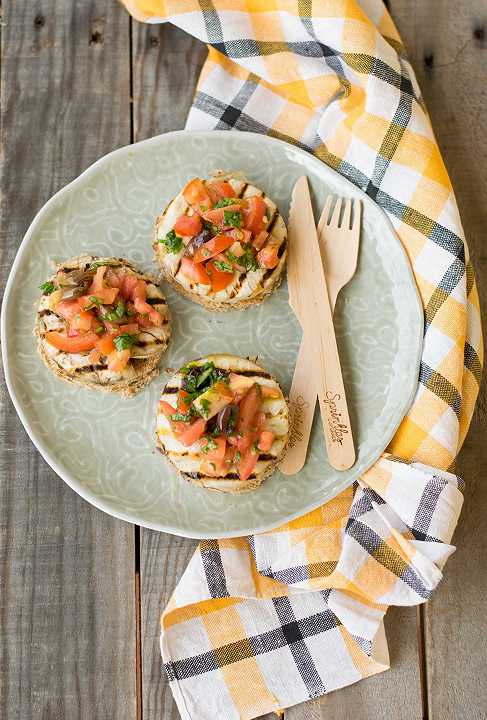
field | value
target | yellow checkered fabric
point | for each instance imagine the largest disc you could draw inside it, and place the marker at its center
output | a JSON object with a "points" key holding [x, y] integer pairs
{"points": [[265, 622]]}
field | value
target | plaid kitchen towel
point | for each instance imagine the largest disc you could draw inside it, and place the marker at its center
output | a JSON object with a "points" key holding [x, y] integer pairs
{"points": [[265, 622]]}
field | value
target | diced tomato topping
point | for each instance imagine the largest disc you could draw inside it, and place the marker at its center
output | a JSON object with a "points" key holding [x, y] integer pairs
{"points": [[217, 216], [268, 256], [248, 408], [219, 280], [94, 356], [105, 343], [177, 426], [183, 402], [188, 225], [68, 308], [241, 236], [78, 344], [214, 453], [98, 280], [196, 195], [247, 464], [130, 328], [128, 285], [211, 248], [194, 271], [266, 438], [220, 189], [81, 322], [253, 215], [156, 318], [237, 249], [118, 360], [193, 432], [114, 278], [259, 240]]}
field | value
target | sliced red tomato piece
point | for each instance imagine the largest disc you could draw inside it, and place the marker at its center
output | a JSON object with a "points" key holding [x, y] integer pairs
{"points": [[220, 189], [211, 248], [130, 328], [128, 285], [268, 256], [260, 240], [266, 438], [189, 225], [196, 195], [241, 236], [105, 343], [68, 308], [177, 426], [211, 452], [99, 289], [218, 468], [248, 409], [247, 464], [253, 215], [82, 321], [117, 360], [219, 280], [217, 216], [78, 344], [114, 278], [194, 271], [192, 433]]}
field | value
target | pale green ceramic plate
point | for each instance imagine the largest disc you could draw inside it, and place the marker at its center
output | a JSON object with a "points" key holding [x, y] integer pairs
{"points": [[103, 446]]}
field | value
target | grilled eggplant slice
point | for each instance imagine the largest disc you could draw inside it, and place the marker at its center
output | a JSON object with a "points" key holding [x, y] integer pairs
{"points": [[102, 324], [223, 423], [222, 243]]}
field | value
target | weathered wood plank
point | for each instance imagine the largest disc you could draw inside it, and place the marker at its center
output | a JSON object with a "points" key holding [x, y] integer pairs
{"points": [[447, 44], [166, 65], [67, 590], [393, 694]]}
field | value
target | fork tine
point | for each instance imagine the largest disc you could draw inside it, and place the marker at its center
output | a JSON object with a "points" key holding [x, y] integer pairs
{"points": [[357, 214], [347, 215], [335, 218], [326, 213]]}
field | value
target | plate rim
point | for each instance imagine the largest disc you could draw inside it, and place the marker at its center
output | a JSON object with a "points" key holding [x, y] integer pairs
{"points": [[70, 479]]}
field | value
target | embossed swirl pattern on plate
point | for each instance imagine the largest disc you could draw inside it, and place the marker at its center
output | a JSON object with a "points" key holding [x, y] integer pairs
{"points": [[103, 445]]}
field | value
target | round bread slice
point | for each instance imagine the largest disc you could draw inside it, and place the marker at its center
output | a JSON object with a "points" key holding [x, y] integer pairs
{"points": [[238, 375], [249, 286], [72, 280]]}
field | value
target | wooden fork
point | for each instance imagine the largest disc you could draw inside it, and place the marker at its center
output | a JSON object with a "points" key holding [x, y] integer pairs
{"points": [[339, 242]]}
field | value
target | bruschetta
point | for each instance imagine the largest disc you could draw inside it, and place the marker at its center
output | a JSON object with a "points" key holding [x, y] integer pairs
{"points": [[222, 243], [102, 324], [222, 421]]}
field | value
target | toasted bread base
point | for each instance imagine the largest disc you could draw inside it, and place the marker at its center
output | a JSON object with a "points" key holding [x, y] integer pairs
{"points": [[146, 369]]}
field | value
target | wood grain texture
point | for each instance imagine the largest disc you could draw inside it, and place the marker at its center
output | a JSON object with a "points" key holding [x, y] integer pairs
{"points": [[447, 44], [67, 588], [395, 694], [166, 66]]}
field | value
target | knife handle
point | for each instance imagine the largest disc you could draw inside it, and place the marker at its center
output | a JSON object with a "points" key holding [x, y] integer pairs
{"points": [[302, 402]]}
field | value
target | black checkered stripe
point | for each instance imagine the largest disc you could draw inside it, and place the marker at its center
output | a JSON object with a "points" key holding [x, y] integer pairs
{"points": [[289, 632]]}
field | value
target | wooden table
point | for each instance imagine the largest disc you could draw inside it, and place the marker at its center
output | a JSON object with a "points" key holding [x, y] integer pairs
{"points": [[81, 592]]}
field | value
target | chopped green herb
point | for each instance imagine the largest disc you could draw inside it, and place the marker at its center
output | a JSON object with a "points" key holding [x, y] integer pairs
{"points": [[234, 219], [181, 417], [99, 329], [215, 432], [213, 465], [248, 260], [208, 369], [215, 229], [210, 445], [94, 301], [173, 242], [117, 314], [47, 287], [224, 202], [124, 341], [237, 456], [205, 407], [99, 263], [223, 266], [203, 208]]}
